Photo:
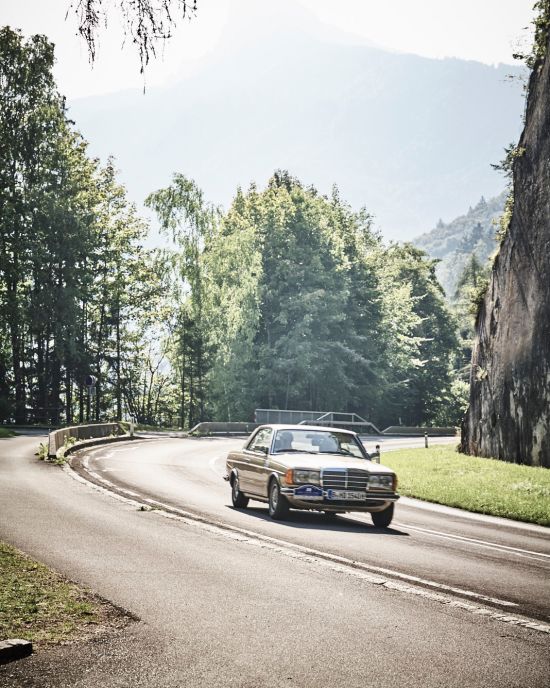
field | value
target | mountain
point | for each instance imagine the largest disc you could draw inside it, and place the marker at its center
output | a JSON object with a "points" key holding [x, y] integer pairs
{"points": [[408, 137], [454, 242]]}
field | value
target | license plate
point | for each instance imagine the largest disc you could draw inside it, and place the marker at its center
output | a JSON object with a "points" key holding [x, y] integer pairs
{"points": [[308, 492], [346, 495]]}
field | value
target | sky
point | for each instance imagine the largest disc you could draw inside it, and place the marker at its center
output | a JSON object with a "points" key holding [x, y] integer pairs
{"points": [[488, 31]]}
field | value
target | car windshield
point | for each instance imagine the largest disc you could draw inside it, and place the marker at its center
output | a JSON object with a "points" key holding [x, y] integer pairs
{"points": [[317, 442]]}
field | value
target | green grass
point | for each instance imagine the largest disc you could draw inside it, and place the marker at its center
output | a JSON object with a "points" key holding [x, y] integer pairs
{"points": [[4, 432], [38, 604], [487, 486]]}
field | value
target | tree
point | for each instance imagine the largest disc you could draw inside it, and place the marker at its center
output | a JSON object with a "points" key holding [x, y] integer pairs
{"points": [[145, 22], [189, 221], [31, 113], [420, 336], [294, 306], [75, 281], [470, 290]]}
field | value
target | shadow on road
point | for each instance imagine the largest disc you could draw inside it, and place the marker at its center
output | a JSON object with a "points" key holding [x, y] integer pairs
{"points": [[305, 520]]}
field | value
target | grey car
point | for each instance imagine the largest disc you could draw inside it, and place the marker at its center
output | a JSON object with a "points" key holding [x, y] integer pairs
{"points": [[310, 467]]}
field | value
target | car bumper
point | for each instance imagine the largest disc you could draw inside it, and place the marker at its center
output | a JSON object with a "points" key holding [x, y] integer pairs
{"points": [[372, 502]]}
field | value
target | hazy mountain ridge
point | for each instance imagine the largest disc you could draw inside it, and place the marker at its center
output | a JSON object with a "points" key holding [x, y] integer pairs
{"points": [[408, 137], [454, 242]]}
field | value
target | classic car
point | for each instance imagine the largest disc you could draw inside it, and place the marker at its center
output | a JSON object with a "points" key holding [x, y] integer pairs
{"points": [[310, 467]]}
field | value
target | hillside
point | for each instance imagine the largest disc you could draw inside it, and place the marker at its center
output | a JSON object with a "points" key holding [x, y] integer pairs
{"points": [[410, 138], [454, 242], [509, 413]]}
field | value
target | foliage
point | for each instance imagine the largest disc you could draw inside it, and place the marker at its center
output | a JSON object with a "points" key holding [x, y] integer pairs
{"points": [[75, 282], [289, 299], [541, 23], [487, 486], [188, 221], [505, 218], [43, 451], [420, 336], [506, 165], [453, 243], [145, 22], [304, 308]]}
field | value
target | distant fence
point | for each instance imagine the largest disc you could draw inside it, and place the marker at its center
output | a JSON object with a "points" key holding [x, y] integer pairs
{"points": [[346, 420], [326, 418], [283, 416], [82, 432]]}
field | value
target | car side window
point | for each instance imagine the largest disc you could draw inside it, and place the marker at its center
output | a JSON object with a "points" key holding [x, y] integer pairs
{"points": [[262, 441]]}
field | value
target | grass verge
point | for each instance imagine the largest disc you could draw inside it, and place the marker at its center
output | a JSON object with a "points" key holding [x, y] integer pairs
{"points": [[4, 432], [39, 605], [486, 486]]}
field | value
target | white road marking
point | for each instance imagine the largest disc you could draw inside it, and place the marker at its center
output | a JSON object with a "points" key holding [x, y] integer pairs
{"points": [[341, 564], [474, 541], [472, 515]]}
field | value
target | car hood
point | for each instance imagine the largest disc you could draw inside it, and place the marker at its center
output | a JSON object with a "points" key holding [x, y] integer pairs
{"points": [[321, 461]]}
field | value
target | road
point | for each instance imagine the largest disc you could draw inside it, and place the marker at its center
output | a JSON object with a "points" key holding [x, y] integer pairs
{"points": [[506, 566], [299, 603]]}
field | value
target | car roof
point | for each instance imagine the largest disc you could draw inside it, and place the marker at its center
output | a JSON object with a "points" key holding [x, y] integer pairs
{"points": [[315, 428]]}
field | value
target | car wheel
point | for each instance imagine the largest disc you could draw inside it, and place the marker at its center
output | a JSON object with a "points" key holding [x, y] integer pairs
{"points": [[239, 500], [382, 519], [278, 505]]}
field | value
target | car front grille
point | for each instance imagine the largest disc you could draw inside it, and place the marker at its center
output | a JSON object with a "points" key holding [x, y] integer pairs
{"points": [[344, 479]]}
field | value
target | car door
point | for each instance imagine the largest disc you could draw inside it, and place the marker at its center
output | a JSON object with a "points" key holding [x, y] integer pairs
{"points": [[257, 454]]}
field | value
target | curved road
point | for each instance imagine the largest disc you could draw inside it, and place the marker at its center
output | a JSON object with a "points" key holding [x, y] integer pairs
{"points": [[302, 603], [492, 561]]}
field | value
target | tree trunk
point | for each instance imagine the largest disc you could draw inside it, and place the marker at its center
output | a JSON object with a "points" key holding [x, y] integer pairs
{"points": [[118, 388], [68, 399]]}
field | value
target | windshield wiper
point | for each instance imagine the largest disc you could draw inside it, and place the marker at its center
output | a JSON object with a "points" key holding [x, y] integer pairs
{"points": [[345, 452], [294, 451]]}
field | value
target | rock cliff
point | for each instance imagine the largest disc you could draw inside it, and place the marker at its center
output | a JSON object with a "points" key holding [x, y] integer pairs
{"points": [[509, 413]]}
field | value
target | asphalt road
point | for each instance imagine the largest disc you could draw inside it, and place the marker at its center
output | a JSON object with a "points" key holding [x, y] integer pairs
{"points": [[491, 561], [222, 608]]}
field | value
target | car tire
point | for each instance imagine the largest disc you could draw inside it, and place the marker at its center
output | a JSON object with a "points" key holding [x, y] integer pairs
{"points": [[278, 504], [382, 519], [240, 501]]}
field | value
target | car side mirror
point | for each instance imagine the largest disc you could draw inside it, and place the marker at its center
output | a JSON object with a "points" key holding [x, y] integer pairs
{"points": [[264, 450]]}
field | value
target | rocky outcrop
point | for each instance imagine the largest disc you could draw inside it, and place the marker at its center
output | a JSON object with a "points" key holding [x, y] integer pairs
{"points": [[509, 413]]}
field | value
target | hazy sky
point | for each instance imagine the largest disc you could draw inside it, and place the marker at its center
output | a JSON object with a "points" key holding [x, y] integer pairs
{"points": [[484, 30]]}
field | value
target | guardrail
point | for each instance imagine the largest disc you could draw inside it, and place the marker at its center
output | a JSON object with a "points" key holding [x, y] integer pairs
{"points": [[57, 438], [233, 428]]}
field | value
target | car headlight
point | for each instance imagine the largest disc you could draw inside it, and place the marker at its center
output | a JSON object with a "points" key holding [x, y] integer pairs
{"points": [[303, 476], [386, 482]]}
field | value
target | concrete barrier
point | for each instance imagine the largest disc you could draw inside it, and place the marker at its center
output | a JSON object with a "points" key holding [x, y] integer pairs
{"points": [[215, 428], [57, 438]]}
